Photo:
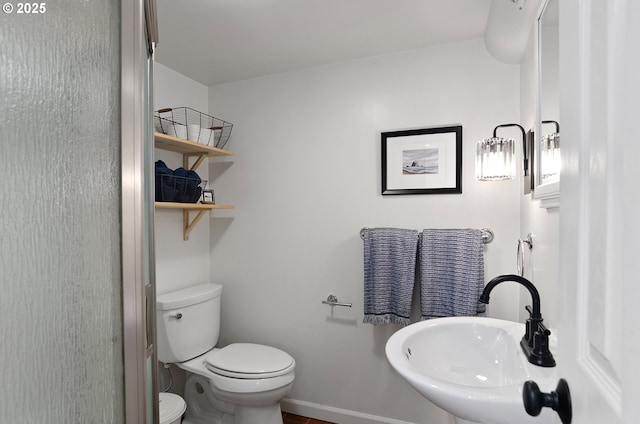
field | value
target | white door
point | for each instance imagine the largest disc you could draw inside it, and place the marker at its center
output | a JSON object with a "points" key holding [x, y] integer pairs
{"points": [[599, 331]]}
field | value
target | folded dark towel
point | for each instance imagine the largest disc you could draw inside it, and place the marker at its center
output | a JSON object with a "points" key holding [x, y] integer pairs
{"points": [[180, 172], [181, 185], [165, 183], [161, 165], [193, 190]]}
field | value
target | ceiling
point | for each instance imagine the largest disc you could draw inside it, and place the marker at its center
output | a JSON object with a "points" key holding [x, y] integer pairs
{"points": [[221, 41]]}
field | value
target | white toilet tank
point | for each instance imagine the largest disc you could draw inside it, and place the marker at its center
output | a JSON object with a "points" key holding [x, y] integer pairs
{"points": [[188, 322]]}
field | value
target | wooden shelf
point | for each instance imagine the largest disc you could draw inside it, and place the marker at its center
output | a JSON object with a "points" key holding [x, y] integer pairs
{"points": [[188, 149], [180, 145], [191, 206], [188, 223], [200, 152]]}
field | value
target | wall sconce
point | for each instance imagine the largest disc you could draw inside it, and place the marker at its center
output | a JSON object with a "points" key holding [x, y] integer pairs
{"points": [[550, 154], [496, 157]]}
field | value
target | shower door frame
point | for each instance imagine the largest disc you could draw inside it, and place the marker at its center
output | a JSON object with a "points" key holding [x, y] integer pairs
{"points": [[138, 36]]}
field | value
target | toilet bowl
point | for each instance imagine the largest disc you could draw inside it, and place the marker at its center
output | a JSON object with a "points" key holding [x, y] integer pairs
{"points": [[242, 383], [171, 408]]}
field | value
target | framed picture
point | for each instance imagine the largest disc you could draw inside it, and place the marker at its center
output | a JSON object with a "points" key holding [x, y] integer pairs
{"points": [[207, 196], [422, 161]]}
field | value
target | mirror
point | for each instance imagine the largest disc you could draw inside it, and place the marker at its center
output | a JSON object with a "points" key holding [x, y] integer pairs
{"points": [[547, 127]]}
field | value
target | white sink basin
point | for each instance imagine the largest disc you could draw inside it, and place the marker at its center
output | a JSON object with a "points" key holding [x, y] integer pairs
{"points": [[471, 367]]}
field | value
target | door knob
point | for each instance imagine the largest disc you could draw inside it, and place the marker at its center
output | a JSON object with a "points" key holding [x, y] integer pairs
{"points": [[559, 401]]}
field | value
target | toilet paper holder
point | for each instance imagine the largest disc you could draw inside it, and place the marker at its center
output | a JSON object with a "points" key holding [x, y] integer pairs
{"points": [[332, 300]]}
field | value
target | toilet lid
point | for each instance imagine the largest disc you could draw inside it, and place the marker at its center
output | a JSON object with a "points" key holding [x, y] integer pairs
{"points": [[248, 360], [171, 407]]}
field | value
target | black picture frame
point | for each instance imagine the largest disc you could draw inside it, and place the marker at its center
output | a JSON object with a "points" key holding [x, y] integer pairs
{"points": [[422, 161]]}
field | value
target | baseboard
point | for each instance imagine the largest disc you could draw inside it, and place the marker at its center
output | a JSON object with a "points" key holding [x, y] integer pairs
{"points": [[334, 415]]}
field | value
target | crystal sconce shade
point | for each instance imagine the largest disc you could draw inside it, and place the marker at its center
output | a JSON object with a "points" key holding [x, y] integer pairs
{"points": [[550, 154], [496, 157]]}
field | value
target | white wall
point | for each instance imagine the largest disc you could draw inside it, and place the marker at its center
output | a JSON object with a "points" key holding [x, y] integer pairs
{"points": [[179, 263], [305, 179]]}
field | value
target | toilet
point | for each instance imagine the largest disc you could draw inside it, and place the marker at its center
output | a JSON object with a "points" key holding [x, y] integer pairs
{"points": [[242, 383]]}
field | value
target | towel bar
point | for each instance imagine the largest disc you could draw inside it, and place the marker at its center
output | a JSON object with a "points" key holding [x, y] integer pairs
{"points": [[487, 235]]}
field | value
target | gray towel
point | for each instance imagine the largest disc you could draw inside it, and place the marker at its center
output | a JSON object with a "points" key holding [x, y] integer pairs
{"points": [[451, 266], [389, 274]]}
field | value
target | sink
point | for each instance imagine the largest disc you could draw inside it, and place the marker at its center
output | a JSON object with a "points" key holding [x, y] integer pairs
{"points": [[472, 367]]}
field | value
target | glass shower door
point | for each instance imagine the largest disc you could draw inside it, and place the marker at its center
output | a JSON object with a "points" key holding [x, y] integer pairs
{"points": [[61, 302]]}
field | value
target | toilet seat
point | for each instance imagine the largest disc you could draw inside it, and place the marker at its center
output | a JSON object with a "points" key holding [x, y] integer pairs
{"points": [[249, 361], [252, 383]]}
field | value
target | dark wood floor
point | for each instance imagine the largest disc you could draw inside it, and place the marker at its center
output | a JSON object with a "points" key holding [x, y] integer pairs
{"points": [[297, 419]]}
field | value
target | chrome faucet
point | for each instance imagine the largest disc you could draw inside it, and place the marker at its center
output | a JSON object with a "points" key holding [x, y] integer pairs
{"points": [[535, 342]]}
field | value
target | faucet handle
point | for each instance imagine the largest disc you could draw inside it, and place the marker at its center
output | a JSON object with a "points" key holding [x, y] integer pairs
{"points": [[531, 314], [544, 330]]}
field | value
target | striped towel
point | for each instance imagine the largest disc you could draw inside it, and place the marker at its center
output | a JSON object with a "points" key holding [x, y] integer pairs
{"points": [[451, 266], [389, 274]]}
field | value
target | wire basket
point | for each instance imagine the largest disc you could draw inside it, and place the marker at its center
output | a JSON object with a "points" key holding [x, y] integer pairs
{"points": [[172, 188], [187, 123]]}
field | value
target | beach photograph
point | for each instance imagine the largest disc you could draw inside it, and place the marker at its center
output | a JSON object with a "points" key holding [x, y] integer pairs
{"points": [[420, 161]]}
